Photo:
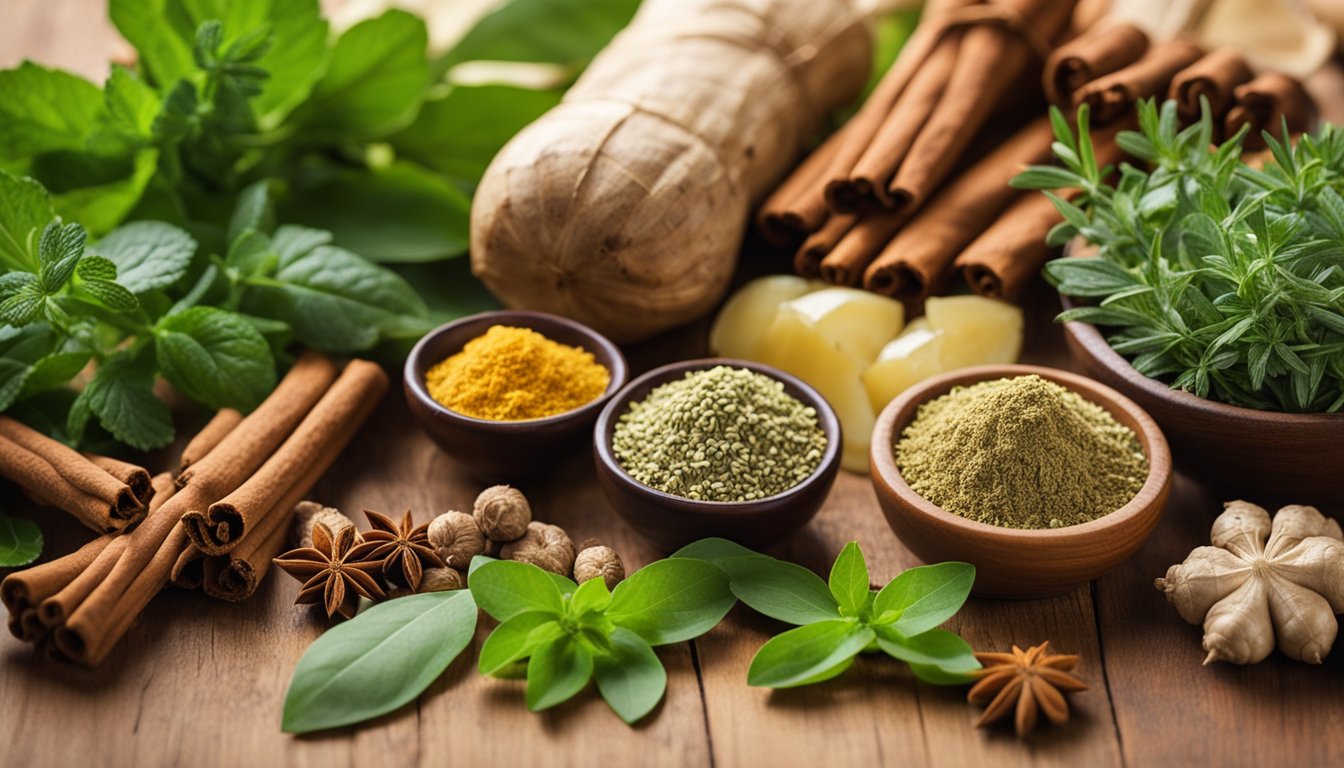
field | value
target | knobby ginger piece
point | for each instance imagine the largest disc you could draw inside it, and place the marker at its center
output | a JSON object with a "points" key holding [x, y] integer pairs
{"points": [[1263, 583]]}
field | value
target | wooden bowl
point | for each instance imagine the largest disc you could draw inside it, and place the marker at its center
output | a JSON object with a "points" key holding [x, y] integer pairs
{"points": [[670, 521], [1012, 562], [497, 451], [1268, 457]]}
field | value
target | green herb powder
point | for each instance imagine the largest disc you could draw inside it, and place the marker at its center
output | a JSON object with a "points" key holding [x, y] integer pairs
{"points": [[1021, 453], [723, 434]]}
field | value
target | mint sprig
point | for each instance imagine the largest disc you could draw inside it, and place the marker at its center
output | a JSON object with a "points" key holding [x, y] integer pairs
{"points": [[839, 619]]}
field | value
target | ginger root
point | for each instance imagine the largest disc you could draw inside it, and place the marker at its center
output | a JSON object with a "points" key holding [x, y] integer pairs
{"points": [[1248, 592]]}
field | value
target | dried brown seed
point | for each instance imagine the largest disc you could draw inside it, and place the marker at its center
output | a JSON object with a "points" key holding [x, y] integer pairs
{"points": [[442, 580], [599, 562], [456, 538], [546, 546], [502, 513]]}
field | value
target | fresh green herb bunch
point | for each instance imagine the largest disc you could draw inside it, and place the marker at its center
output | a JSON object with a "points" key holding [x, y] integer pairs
{"points": [[1221, 279]]}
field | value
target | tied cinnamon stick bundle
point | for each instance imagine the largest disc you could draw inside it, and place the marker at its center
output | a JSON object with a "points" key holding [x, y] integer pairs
{"points": [[1213, 77], [1088, 57], [1265, 103], [919, 259], [1010, 252], [56, 475], [1112, 96]]}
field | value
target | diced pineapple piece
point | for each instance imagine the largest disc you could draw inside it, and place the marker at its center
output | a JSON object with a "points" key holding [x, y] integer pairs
{"points": [[738, 328], [909, 359], [795, 345], [976, 330], [859, 323]]}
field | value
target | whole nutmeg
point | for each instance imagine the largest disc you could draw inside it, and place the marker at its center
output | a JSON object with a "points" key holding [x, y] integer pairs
{"points": [[546, 546], [442, 580], [599, 562], [396, 592], [456, 538], [309, 513], [502, 512]]}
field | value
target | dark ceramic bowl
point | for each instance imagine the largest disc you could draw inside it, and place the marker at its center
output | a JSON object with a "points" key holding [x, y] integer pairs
{"points": [[1265, 456], [501, 450], [1013, 562], [670, 521]]}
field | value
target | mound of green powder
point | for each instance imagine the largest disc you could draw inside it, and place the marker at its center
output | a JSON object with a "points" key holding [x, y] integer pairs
{"points": [[1021, 453], [722, 434]]}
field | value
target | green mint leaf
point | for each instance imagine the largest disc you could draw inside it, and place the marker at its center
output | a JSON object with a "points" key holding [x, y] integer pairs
{"points": [[296, 59], [849, 580], [547, 31], [557, 671], [109, 294], [148, 254], [252, 255], [59, 250], [924, 597], [13, 375], [121, 396], [131, 104], [290, 242], [27, 210], [516, 639], [781, 590], [215, 357], [253, 211], [101, 206], [505, 589], [592, 595], [209, 35], [802, 654], [671, 600], [161, 33], [629, 676], [24, 304], [378, 661], [44, 110], [20, 541], [56, 369], [398, 214], [375, 79], [937, 649], [96, 268]]}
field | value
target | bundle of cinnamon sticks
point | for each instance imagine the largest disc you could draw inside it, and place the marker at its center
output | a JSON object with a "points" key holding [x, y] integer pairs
{"points": [[235, 491]]}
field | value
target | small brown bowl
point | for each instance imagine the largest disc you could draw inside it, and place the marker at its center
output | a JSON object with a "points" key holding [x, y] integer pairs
{"points": [[501, 450], [1266, 456], [670, 521], [1013, 562]]}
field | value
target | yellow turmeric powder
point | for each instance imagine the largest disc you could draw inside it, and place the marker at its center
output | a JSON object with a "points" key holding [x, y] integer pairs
{"points": [[514, 374]]}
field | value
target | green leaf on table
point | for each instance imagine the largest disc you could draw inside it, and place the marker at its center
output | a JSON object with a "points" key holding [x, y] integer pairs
{"points": [[121, 396], [379, 660], [505, 589], [398, 214], [555, 31], [27, 210], [671, 600], [629, 676], [920, 599], [20, 541], [557, 671], [516, 639], [592, 595], [936, 649], [801, 654], [779, 589], [215, 357], [849, 580], [375, 80], [43, 110], [148, 254]]}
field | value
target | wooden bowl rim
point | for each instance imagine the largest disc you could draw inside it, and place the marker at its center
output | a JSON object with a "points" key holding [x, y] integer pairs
{"points": [[606, 425], [541, 322], [1144, 504]]}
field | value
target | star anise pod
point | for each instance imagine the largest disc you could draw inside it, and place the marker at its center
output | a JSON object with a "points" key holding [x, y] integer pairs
{"points": [[403, 550], [335, 571], [1023, 682]]}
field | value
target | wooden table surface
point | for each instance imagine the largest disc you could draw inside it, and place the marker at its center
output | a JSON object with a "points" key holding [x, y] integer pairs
{"points": [[199, 682]]}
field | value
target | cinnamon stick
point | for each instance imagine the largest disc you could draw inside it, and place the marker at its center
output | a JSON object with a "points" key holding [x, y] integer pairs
{"points": [[785, 218], [1265, 103], [845, 263], [1084, 59], [1213, 77], [220, 425], [54, 474], [134, 476], [29, 587], [920, 257], [994, 57], [1112, 96], [188, 571], [807, 261]]}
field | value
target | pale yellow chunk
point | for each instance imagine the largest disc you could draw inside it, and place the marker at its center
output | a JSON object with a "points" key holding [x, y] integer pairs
{"points": [[738, 328], [858, 322], [909, 359], [976, 330]]}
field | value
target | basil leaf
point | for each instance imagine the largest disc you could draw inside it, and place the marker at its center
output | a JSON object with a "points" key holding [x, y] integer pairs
{"points": [[556, 672], [148, 254], [849, 580], [215, 357], [378, 661], [804, 653], [781, 590], [20, 541], [714, 549], [936, 649], [121, 395], [922, 598], [592, 595], [377, 76], [26, 211], [629, 676], [671, 600], [516, 639], [505, 589], [42, 110], [828, 674]]}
